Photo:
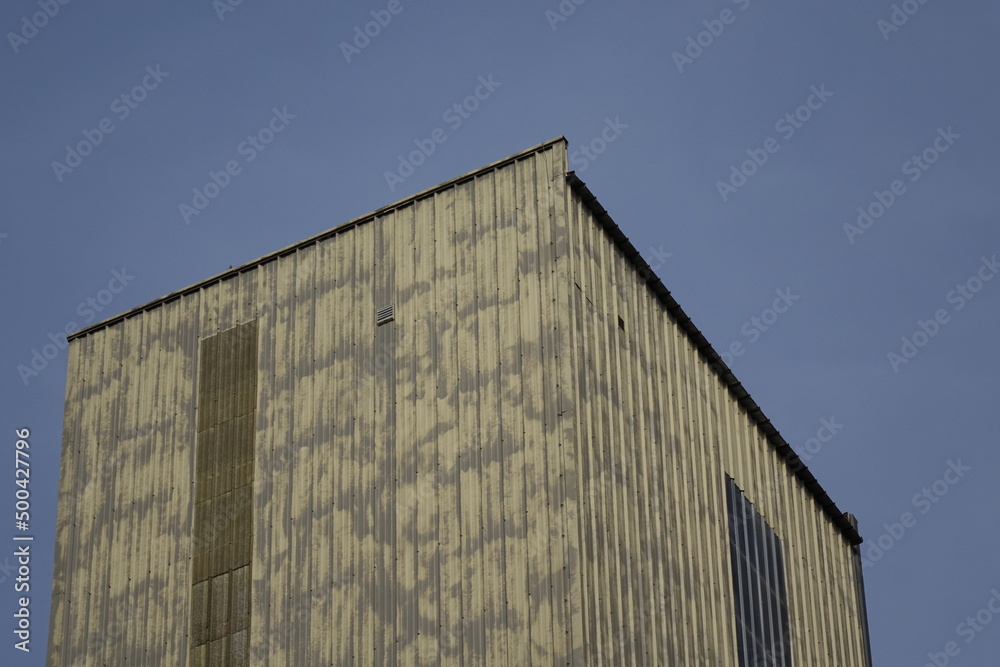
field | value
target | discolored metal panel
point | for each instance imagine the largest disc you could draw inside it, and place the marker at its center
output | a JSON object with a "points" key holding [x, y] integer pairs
{"points": [[223, 517], [526, 465], [240, 605], [662, 463], [239, 649], [200, 620], [219, 607], [199, 656]]}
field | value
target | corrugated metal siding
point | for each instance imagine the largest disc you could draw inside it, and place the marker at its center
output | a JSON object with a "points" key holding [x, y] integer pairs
{"points": [[659, 431], [501, 475], [124, 516]]}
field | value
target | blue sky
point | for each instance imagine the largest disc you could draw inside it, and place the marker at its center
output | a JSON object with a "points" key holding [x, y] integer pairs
{"points": [[732, 141]]}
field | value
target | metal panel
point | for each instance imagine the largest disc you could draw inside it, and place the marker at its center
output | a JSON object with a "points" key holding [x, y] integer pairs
{"points": [[322, 476], [466, 387], [66, 536], [501, 475], [223, 516], [704, 434], [410, 318]]}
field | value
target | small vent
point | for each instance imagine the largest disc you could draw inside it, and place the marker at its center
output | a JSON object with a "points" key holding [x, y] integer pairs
{"points": [[621, 324], [385, 314]]}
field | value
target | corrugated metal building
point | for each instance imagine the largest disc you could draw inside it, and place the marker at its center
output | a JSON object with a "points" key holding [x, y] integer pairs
{"points": [[470, 428]]}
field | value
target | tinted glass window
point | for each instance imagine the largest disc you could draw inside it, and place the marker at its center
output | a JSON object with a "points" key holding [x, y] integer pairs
{"points": [[761, 602]]}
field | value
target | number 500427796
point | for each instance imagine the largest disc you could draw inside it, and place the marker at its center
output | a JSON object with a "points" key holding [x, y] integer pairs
{"points": [[22, 475]]}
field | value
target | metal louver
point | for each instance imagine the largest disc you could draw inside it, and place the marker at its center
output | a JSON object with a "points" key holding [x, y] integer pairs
{"points": [[384, 314]]}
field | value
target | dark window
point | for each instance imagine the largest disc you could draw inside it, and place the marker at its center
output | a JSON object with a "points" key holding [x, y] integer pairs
{"points": [[761, 603]]}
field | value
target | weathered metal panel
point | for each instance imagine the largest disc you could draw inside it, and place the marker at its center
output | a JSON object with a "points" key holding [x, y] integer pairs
{"points": [[66, 537], [525, 466], [384, 446], [554, 563], [471, 638], [134, 518], [487, 262], [410, 317], [223, 486], [264, 464], [670, 476], [107, 479], [576, 381], [341, 394], [302, 421], [327, 415], [178, 428], [283, 465]]}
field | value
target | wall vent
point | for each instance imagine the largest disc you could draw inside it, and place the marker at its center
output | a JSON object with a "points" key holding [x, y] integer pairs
{"points": [[384, 314]]}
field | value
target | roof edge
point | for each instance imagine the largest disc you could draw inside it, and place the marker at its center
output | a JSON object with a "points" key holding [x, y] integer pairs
{"points": [[708, 353], [339, 229]]}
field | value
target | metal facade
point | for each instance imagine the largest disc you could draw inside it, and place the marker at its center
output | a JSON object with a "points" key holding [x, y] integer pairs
{"points": [[526, 465]]}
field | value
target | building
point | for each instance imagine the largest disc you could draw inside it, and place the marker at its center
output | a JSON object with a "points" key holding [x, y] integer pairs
{"points": [[471, 427]]}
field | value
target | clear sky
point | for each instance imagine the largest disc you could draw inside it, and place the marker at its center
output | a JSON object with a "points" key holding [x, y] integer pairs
{"points": [[734, 142]]}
